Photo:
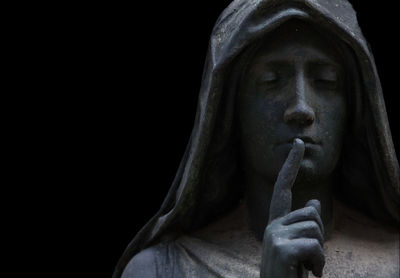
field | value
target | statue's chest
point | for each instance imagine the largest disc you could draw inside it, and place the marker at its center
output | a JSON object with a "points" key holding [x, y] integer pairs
{"points": [[367, 255]]}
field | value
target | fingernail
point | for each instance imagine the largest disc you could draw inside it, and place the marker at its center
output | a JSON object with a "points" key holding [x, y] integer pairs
{"points": [[298, 141]]}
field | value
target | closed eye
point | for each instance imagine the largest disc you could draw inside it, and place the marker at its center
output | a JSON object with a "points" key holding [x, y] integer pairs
{"points": [[326, 77], [269, 79], [326, 83]]}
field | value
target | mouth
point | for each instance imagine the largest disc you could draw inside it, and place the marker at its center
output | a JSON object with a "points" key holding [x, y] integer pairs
{"points": [[305, 139], [313, 146]]}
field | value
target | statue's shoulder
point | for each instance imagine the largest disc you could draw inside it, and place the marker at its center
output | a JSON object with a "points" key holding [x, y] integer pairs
{"points": [[143, 264]]}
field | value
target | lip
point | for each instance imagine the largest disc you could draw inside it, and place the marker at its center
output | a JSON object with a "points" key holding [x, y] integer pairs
{"points": [[305, 139]]}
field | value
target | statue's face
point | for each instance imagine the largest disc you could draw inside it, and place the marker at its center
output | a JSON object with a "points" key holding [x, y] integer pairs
{"points": [[293, 87]]}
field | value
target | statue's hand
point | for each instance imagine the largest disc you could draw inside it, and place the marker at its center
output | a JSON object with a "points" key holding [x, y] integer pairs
{"points": [[292, 240]]}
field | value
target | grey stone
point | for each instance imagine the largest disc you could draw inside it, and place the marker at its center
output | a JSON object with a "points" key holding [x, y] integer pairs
{"points": [[290, 170]]}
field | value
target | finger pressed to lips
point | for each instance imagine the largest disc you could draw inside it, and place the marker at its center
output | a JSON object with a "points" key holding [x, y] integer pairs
{"points": [[281, 201]]}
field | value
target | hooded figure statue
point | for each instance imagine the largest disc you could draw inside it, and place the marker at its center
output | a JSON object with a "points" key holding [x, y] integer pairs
{"points": [[204, 227]]}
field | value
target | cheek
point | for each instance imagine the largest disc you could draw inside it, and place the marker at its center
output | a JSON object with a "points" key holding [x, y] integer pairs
{"points": [[259, 117], [259, 121], [333, 120]]}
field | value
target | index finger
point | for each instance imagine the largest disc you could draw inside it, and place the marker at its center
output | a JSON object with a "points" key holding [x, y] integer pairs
{"points": [[281, 201]]}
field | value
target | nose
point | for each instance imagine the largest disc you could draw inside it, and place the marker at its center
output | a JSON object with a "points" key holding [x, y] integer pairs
{"points": [[299, 112]]}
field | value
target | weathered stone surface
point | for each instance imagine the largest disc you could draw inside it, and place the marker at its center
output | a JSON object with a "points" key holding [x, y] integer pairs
{"points": [[290, 166]]}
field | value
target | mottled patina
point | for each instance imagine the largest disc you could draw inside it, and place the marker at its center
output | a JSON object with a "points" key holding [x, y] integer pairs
{"points": [[290, 170]]}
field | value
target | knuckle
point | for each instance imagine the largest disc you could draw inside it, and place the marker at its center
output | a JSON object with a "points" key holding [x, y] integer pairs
{"points": [[312, 212], [281, 248], [279, 243], [276, 243], [270, 229], [314, 243], [313, 226], [272, 233], [314, 202]]}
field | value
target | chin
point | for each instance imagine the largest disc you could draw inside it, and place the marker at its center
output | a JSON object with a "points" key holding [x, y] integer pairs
{"points": [[313, 171], [307, 171]]}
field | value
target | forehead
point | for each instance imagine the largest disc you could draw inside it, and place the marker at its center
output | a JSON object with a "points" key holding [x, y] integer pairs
{"points": [[297, 41]]}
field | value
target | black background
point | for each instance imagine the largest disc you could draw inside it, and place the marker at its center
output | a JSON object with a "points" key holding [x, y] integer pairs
{"points": [[127, 105]]}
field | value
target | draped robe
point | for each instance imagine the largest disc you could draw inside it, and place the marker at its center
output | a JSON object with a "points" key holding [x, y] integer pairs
{"points": [[180, 240]]}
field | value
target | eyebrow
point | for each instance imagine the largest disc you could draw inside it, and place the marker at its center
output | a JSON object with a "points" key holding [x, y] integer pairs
{"points": [[327, 65], [325, 62], [316, 61]]}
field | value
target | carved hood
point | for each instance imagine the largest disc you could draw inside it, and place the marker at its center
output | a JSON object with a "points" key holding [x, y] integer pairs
{"points": [[206, 183]]}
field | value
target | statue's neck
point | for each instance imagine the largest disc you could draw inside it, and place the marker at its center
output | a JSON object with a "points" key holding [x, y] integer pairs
{"points": [[259, 193]]}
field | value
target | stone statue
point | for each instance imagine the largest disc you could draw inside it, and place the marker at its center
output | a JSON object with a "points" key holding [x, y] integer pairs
{"points": [[290, 170]]}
